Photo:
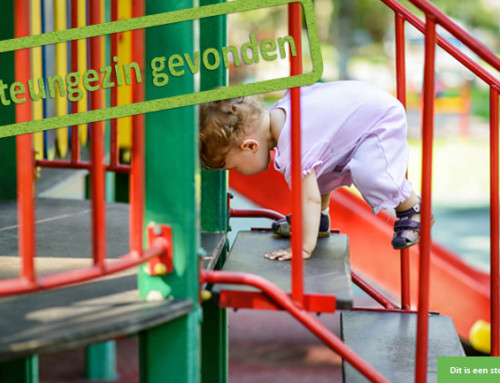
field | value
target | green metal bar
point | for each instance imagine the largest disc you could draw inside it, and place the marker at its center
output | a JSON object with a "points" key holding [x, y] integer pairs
{"points": [[20, 370], [8, 116], [171, 352], [214, 214], [100, 361]]}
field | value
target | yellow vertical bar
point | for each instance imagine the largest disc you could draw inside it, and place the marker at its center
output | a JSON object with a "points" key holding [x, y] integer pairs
{"points": [[36, 68], [124, 91], [82, 67], [61, 62]]}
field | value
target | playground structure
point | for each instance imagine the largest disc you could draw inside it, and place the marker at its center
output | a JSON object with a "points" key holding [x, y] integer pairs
{"points": [[166, 208]]}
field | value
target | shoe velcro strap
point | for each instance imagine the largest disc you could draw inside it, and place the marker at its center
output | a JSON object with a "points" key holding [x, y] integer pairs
{"points": [[405, 224]]}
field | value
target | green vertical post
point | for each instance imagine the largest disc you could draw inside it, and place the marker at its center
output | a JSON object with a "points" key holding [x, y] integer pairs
{"points": [[214, 214], [20, 370], [171, 352], [8, 116], [100, 361]]}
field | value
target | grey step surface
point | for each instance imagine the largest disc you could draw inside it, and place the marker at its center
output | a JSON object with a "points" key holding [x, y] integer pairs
{"points": [[212, 244], [326, 272], [86, 313], [387, 341], [89, 313]]}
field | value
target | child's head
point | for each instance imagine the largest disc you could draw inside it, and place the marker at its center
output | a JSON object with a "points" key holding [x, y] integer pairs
{"points": [[223, 127]]}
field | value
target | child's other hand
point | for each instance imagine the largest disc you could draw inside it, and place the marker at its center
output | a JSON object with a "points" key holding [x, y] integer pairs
{"points": [[285, 255]]}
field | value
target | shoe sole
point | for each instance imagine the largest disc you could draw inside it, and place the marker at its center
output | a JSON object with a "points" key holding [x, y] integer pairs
{"points": [[321, 234]]}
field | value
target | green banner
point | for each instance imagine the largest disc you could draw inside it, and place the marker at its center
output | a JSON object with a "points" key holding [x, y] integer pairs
{"points": [[471, 369], [176, 65]]}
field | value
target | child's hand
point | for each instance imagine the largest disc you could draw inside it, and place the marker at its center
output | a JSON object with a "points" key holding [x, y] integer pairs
{"points": [[285, 255]]}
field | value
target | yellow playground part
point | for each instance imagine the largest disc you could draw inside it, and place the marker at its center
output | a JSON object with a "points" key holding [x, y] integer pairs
{"points": [[61, 62], [82, 67], [62, 68], [36, 68], [480, 336], [124, 124]]}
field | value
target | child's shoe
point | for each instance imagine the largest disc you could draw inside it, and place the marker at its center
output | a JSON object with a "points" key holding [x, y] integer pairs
{"points": [[407, 228], [282, 227]]}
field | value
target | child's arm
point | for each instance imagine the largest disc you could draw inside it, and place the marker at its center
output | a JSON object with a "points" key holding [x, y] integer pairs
{"points": [[311, 207]]}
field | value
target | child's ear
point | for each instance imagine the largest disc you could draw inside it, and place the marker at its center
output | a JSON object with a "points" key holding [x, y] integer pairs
{"points": [[249, 145]]}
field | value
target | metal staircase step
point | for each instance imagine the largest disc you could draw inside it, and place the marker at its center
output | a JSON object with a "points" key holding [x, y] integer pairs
{"points": [[86, 313], [76, 316], [387, 341], [326, 274]]}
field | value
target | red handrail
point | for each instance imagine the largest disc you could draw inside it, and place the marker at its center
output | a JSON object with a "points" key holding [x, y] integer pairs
{"points": [[24, 154], [284, 301], [435, 17], [295, 30], [401, 94], [138, 170], [473, 44], [255, 213], [444, 44], [425, 233], [97, 174]]}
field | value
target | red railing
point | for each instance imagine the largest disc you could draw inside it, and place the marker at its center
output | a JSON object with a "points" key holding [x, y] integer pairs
{"points": [[433, 18], [28, 280]]}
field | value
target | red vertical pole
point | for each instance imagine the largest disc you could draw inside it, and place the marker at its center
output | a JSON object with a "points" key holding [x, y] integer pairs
{"points": [[24, 152], [401, 94], [494, 224], [400, 58], [425, 234], [294, 28], [138, 167], [97, 149]]}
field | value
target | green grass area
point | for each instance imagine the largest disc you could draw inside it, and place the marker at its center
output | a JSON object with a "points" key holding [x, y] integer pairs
{"points": [[480, 102]]}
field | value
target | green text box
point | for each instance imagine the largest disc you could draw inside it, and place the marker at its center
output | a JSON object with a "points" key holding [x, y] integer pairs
{"points": [[472, 369], [168, 102]]}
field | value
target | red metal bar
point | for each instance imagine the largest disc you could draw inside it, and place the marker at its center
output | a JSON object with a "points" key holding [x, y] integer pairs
{"points": [[295, 30], [425, 233], [97, 149], [447, 46], [24, 153], [19, 286], [113, 157], [64, 164], [494, 224], [240, 299], [473, 44], [75, 147], [401, 94], [400, 58], [138, 140], [311, 323], [372, 291], [255, 213]]}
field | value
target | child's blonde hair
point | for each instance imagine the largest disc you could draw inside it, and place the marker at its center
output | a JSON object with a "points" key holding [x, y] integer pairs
{"points": [[223, 125]]}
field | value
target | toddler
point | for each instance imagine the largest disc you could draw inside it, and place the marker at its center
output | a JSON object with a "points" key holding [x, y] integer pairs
{"points": [[352, 133]]}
